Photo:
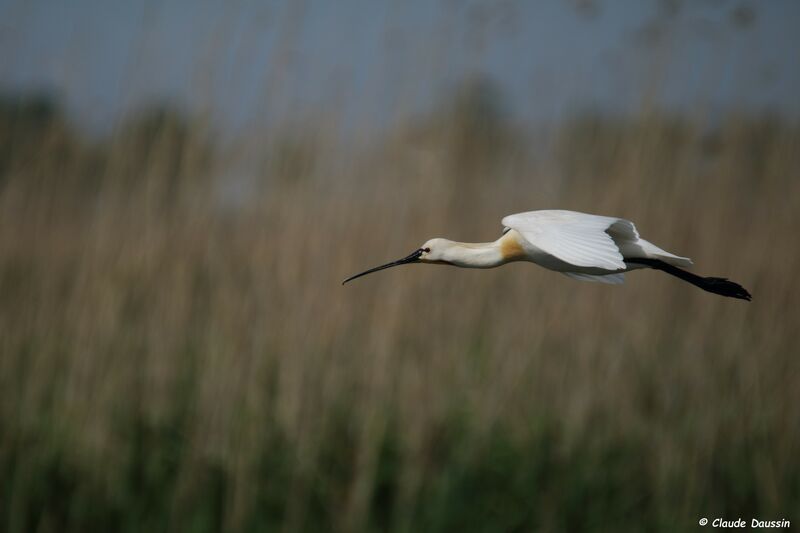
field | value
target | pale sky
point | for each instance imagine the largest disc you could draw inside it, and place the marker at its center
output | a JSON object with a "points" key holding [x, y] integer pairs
{"points": [[372, 61]]}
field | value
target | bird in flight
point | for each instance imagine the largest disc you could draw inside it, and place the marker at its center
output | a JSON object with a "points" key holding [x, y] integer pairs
{"points": [[579, 245]]}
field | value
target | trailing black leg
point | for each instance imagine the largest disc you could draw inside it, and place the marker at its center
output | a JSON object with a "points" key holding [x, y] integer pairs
{"points": [[721, 286]]}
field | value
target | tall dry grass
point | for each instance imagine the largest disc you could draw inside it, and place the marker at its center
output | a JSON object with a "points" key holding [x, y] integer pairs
{"points": [[179, 357]]}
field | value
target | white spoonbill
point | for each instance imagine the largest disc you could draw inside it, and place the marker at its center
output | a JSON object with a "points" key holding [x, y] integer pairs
{"points": [[581, 246]]}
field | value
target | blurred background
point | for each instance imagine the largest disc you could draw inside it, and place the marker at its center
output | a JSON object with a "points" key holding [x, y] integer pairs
{"points": [[184, 185]]}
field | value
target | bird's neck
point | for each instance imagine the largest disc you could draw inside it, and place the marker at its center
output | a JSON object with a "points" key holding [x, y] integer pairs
{"points": [[475, 255]]}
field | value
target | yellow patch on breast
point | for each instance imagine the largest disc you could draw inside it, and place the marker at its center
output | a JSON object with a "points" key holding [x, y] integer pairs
{"points": [[510, 247]]}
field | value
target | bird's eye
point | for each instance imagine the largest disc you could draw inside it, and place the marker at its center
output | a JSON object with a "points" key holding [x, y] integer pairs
{"points": [[426, 250]]}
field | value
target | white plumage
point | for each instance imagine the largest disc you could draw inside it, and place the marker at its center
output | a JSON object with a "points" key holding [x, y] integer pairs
{"points": [[579, 245], [583, 246]]}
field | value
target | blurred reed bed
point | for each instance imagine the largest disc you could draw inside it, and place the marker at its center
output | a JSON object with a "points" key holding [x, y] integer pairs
{"points": [[178, 352]]}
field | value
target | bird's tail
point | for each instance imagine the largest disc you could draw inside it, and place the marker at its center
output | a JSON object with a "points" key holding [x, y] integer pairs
{"points": [[721, 286], [651, 250]]}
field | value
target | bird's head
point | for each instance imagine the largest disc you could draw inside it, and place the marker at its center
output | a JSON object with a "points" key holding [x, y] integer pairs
{"points": [[433, 251]]}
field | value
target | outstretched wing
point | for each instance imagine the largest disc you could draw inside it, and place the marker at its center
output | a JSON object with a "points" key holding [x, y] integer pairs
{"points": [[610, 279], [579, 239]]}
